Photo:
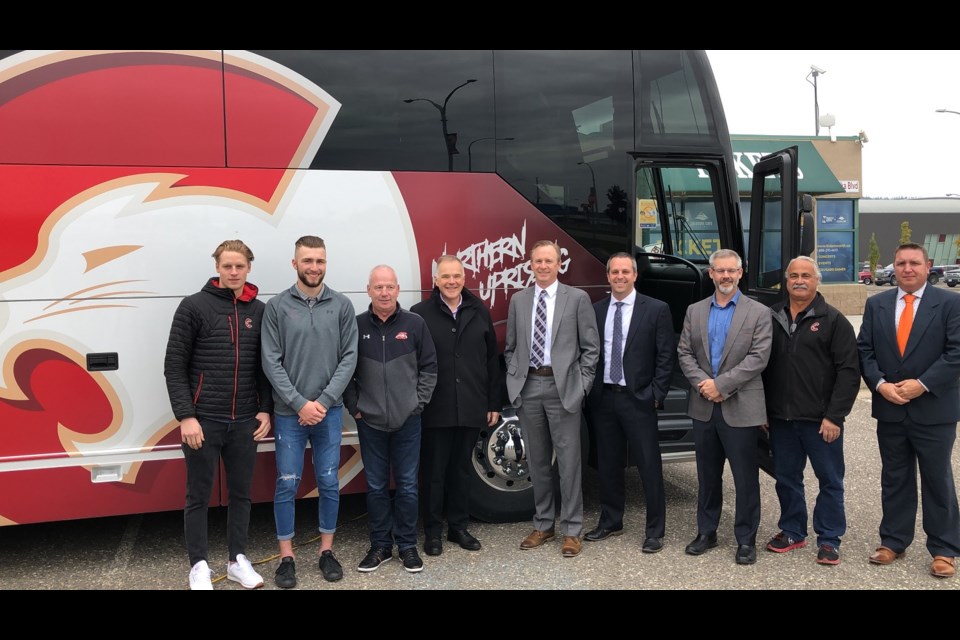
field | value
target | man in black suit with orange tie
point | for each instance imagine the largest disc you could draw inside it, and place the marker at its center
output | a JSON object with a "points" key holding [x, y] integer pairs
{"points": [[909, 346], [633, 377]]}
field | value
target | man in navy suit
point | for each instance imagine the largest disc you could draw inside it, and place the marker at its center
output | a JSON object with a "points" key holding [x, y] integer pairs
{"points": [[909, 346], [633, 377]]}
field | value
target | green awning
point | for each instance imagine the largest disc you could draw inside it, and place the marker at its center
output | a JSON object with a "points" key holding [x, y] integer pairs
{"points": [[814, 176]]}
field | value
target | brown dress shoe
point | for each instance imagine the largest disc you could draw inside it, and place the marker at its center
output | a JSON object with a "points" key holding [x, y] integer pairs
{"points": [[883, 555], [942, 567], [536, 539], [571, 546]]}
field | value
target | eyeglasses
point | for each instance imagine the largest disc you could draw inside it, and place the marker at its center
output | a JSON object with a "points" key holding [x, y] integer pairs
{"points": [[724, 272]]}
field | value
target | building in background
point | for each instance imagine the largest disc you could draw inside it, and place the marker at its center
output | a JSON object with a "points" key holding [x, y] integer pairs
{"points": [[934, 223]]}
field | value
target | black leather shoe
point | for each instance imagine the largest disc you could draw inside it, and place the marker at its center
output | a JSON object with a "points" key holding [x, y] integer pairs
{"points": [[600, 533], [701, 543], [433, 546], [652, 545], [463, 538], [746, 554]]}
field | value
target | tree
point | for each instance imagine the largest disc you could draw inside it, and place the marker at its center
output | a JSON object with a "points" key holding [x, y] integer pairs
{"points": [[874, 255], [905, 232]]}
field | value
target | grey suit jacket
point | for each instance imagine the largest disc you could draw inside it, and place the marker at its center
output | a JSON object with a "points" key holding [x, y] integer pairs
{"points": [[574, 345], [745, 355]]}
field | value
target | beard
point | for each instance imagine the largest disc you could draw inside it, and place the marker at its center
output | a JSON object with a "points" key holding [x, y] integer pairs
{"points": [[305, 279], [726, 288]]}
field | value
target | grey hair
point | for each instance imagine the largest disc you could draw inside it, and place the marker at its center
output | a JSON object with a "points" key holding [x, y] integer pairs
{"points": [[812, 263], [725, 253], [622, 254]]}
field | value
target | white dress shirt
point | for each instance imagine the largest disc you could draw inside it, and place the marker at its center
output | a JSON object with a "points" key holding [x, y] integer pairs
{"points": [[627, 311]]}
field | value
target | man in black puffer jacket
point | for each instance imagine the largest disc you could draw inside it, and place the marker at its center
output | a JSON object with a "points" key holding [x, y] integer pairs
{"points": [[223, 402], [466, 398]]}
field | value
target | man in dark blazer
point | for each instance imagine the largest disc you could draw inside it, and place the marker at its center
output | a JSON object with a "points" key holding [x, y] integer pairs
{"points": [[466, 398], [909, 346], [551, 354], [724, 347], [633, 378]]}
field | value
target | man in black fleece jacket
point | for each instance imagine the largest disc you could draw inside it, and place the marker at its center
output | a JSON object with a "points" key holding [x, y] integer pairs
{"points": [[811, 383]]}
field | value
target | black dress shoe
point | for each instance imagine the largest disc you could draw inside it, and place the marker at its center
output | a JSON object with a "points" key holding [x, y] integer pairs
{"points": [[600, 533], [701, 543], [433, 546], [652, 545], [746, 554], [464, 539]]}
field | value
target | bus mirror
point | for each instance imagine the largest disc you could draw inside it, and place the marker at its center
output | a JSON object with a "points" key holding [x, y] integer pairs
{"points": [[806, 233], [806, 203]]}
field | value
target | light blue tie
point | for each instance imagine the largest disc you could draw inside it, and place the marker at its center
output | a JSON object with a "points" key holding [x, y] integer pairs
{"points": [[616, 349]]}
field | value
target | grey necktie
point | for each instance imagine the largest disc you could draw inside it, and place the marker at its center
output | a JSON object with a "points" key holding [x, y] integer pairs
{"points": [[616, 349]]}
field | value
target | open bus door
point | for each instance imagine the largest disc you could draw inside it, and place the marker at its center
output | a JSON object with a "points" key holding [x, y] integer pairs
{"points": [[781, 228]]}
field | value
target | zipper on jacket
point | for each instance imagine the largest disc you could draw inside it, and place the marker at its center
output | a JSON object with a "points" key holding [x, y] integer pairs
{"points": [[236, 360], [196, 395]]}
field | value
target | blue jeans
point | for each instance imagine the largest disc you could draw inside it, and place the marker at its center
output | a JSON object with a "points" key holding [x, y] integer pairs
{"points": [[291, 443], [793, 441], [381, 451]]}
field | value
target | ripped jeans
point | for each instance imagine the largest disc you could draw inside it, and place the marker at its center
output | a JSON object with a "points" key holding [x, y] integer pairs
{"points": [[291, 443]]}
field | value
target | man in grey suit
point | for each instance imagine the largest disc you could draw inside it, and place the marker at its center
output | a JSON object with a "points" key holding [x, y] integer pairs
{"points": [[910, 359], [551, 353], [724, 348]]}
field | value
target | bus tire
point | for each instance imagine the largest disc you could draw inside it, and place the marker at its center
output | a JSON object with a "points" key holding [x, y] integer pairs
{"points": [[500, 485]]}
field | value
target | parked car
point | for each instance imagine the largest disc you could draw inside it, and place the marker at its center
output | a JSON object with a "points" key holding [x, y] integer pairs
{"points": [[884, 275], [866, 277], [952, 277]]}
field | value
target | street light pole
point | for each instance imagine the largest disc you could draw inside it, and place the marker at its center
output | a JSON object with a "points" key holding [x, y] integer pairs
{"points": [[443, 119], [815, 72], [470, 150], [593, 178]]}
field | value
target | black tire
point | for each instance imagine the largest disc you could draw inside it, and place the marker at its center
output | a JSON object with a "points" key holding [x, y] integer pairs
{"points": [[868, 280], [893, 281], [490, 505], [933, 278], [951, 284]]}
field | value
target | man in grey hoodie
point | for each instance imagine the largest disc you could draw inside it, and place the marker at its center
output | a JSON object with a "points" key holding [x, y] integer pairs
{"points": [[309, 348]]}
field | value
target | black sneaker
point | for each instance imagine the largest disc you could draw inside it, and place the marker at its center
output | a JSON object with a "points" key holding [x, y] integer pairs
{"points": [[781, 543], [286, 576], [330, 567], [411, 560], [374, 558], [828, 554]]}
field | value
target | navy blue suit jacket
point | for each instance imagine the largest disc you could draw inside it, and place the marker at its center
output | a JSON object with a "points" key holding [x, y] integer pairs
{"points": [[649, 354], [932, 356]]}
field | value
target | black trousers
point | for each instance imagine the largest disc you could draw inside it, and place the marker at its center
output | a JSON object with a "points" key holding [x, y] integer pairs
{"points": [[903, 447], [620, 422], [233, 441], [716, 442], [445, 484]]}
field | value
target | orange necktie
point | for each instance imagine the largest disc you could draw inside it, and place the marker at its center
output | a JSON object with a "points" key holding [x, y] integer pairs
{"points": [[906, 322]]}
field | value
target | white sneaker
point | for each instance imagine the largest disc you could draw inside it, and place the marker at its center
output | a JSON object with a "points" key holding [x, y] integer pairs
{"points": [[200, 577], [242, 571]]}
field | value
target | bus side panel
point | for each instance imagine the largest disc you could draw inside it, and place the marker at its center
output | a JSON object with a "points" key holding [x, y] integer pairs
{"points": [[484, 221]]}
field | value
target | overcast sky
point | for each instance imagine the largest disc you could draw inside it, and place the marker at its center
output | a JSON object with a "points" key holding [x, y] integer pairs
{"points": [[891, 95]]}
